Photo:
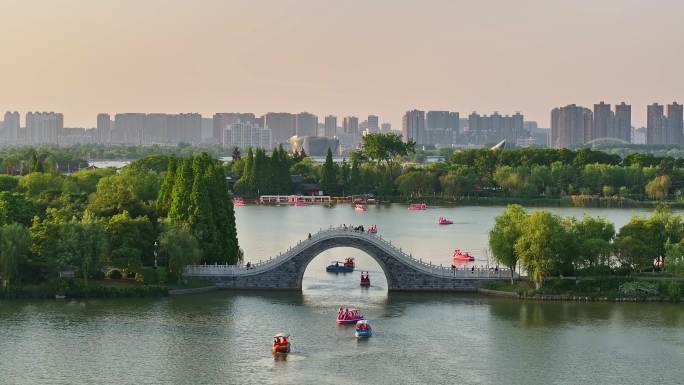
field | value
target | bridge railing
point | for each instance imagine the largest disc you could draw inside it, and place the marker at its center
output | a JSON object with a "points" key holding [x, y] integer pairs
{"points": [[376, 239]]}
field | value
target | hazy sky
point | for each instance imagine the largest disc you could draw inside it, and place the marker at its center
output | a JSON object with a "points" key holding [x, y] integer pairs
{"points": [[81, 57]]}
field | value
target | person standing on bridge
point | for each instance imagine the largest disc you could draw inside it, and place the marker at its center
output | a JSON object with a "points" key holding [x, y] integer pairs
{"points": [[309, 235]]}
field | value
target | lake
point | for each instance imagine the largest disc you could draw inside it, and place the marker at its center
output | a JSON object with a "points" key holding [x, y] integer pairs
{"points": [[224, 337]]}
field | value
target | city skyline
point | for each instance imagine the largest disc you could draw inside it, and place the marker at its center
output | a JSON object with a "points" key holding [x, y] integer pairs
{"points": [[135, 58]]}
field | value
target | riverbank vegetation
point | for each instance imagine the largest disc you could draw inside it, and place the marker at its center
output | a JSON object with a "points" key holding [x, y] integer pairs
{"points": [[76, 234], [549, 247], [581, 177]]}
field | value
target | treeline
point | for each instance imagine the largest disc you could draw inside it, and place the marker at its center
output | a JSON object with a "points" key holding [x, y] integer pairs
{"points": [[159, 211], [529, 173], [548, 245], [83, 152]]}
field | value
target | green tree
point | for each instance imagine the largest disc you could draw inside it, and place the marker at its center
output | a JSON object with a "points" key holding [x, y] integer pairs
{"points": [[182, 188], [179, 247], [131, 241], [14, 249], [328, 179], [114, 196], [81, 246], [540, 245], [165, 192], [504, 235], [386, 146]]}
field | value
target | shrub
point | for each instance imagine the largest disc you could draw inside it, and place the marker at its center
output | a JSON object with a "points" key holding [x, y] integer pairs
{"points": [[638, 289]]}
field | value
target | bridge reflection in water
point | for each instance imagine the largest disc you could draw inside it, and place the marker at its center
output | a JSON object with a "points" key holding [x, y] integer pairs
{"points": [[402, 271]]}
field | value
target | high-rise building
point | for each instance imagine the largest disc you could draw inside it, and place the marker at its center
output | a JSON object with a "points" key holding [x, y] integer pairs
{"points": [[223, 120], [306, 124], [622, 127], [602, 126], [674, 124], [655, 125], [244, 135], [11, 127], [373, 123], [350, 125], [330, 126], [441, 127], [282, 126], [570, 126], [386, 127], [413, 126], [104, 128], [483, 129], [44, 127], [128, 128]]}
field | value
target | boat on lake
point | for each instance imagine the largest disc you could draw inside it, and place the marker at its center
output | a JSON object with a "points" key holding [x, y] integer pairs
{"points": [[281, 343], [462, 256], [348, 316], [418, 206], [359, 207], [239, 202], [339, 267], [363, 329], [444, 221]]}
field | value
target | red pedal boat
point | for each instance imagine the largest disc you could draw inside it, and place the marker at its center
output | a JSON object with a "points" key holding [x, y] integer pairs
{"points": [[444, 221], [348, 316], [462, 256]]}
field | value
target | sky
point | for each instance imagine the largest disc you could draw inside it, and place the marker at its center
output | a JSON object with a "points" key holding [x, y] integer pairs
{"points": [[346, 57]]}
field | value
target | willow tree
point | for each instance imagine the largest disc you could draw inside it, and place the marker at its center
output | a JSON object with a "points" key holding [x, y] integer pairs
{"points": [[541, 244], [504, 235], [14, 249]]}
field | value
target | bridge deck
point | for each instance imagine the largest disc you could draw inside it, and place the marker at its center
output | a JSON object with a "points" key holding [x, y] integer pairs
{"points": [[342, 232]]}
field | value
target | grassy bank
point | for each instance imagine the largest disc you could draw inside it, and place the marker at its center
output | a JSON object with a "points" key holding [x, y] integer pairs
{"points": [[597, 288], [77, 288]]}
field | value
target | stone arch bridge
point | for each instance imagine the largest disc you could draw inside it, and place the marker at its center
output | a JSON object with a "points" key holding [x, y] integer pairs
{"points": [[402, 271]]}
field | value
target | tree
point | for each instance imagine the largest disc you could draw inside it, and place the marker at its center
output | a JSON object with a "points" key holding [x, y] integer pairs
{"points": [[328, 179], [15, 208], [201, 211], [236, 153], [166, 190], [386, 146], [459, 181], [659, 187], [540, 245], [180, 248], [504, 235], [182, 188], [131, 241], [14, 248], [592, 240], [114, 196], [417, 183], [81, 246]]}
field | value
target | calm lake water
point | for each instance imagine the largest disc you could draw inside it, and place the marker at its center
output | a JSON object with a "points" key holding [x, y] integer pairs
{"points": [[224, 337]]}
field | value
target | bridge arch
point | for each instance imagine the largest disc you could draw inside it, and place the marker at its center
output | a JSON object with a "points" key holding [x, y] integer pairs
{"points": [[402, 271], [350, 242]]}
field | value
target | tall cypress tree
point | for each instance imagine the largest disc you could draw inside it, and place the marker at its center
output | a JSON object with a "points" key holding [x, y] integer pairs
{"points": [[200, 209], [224, 217], [164, 198], [182, 188], [328, 180]]}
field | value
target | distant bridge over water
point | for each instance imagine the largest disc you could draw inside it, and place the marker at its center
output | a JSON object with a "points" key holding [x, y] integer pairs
{"points": [[402, 271]]}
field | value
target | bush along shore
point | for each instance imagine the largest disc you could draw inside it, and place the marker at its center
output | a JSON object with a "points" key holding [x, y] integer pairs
{"points": [[608, 289]]}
